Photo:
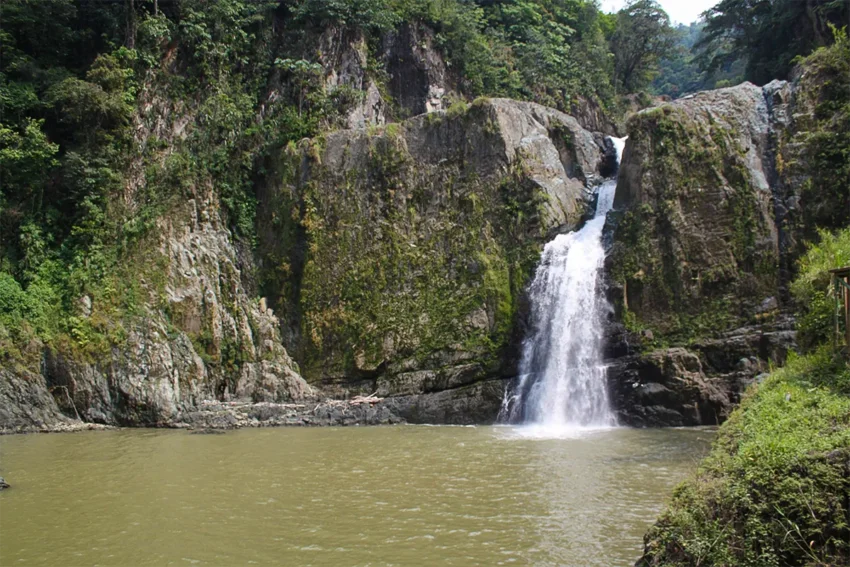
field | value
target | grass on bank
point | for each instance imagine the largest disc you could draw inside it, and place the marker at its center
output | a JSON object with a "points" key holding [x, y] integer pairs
{"points": [[775, 490]]}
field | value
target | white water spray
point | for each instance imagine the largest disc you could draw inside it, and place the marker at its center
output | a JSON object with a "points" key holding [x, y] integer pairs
{"points": [[562, 382]]}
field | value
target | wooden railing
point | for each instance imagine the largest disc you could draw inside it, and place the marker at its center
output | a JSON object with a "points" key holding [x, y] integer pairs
{"points": [[841, 287]]}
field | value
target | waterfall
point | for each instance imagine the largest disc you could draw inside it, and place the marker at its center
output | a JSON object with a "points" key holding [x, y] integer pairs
{"points": [[562, 381]]}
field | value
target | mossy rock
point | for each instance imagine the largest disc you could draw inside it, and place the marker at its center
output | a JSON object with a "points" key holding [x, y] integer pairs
{"points": [[696, 250], [395, 243]]}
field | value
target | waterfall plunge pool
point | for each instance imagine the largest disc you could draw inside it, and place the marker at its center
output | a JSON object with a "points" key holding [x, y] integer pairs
{"points": [[379, 496]]}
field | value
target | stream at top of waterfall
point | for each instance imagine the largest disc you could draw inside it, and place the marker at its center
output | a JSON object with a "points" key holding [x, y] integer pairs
{"points": [[400, 495]]}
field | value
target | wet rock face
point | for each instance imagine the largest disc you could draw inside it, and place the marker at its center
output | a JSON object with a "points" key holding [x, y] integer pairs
{"points": [[413, 243], [608, 165], [697, 256], [669, 387]]}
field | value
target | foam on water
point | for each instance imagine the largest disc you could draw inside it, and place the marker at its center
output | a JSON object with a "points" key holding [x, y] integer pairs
{"points": [[544, 432]]}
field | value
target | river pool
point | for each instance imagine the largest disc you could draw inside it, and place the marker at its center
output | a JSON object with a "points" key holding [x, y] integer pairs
{"points": [[405, 495]]}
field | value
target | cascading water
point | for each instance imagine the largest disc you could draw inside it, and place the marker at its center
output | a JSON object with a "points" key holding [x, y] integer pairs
{"points": [[562, 382]]}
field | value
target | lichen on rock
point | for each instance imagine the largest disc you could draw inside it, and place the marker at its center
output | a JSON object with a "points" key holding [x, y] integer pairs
{"points": [[696, 252]]}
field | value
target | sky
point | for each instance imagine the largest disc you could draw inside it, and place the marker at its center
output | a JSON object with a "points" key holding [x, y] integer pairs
{"points": [[680, 11]]}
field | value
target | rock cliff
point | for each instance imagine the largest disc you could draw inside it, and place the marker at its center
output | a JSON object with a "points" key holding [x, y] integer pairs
{"points": [[398, 256], [199, 338], [395, 255], [393, 259], [696, 253]]}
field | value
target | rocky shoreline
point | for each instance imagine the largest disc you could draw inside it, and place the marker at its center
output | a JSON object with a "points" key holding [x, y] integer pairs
{"points": [[474, 404], [214, 415]]}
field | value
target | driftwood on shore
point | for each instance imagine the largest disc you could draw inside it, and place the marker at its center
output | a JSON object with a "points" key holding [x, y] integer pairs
{"points": [[371, 399]]}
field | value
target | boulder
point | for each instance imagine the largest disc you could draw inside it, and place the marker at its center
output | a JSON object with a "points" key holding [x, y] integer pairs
{"points": [[695, 385]]}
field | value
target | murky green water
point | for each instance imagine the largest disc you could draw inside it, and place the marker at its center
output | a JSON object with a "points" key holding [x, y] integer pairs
{"points": [[337, 497]]}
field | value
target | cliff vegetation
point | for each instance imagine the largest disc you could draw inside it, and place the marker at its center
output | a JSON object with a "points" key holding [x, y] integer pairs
{"points": [[774, 490]]}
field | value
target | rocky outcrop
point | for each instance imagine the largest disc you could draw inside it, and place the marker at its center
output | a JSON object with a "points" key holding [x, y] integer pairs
{"points": [[472, 404], [398, 256], [467, 405], [204, 339], [394, 260], [26, 403], [419, 80], [416, 78], [697, 247], [395, 256], [695, 256], [343, 55], [698, 384], [193, 333], [214, 416], [592, 117]]}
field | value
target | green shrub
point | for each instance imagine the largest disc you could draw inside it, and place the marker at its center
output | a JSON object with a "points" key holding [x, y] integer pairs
{"points": [[811, 288], [374, 15], [14, 302], [820, 150]]}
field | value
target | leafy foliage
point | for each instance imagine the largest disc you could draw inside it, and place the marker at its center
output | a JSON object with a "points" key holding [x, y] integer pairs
{"points": [[80, 190], [557, 47], [642, 36], [66, 144], [767, 34], [820, 149], [773, 491], [679, 72], [812, 290], [370, 15]]}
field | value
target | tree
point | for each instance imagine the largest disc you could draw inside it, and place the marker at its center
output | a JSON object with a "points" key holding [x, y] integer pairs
{"points": [[679, 72], [767, 34], [642, 36]]}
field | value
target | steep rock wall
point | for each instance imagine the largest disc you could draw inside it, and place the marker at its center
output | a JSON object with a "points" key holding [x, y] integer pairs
{"points": [[194, 334], [696, 255], [396, 257], [199, 338], [207, 340], [403, 75], [399, 255]]}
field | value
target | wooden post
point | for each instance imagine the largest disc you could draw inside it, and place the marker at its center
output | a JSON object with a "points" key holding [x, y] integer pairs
{"points": [[847, 311], [840, 281], [835, 288]]}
